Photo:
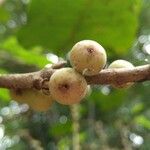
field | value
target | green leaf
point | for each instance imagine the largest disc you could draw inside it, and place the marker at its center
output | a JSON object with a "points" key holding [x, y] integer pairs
{"points": [[143, 121], [4, 15], [33, 56], [137, 108], [4, 95], [108, 102], [60, 129], [2, 71], [60, 24]]}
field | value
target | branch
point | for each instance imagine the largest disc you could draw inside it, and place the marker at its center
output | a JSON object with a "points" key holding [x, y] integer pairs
{"points": [[121, 75], [75, 126], [29, 80], [106, 76]]}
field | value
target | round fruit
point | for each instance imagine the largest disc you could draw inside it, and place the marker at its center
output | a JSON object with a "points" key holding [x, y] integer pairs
{"points": [[121, 64], [34, 98], [88, 57], [67, 86]]}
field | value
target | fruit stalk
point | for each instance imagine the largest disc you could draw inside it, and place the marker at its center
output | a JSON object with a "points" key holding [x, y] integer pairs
{"points": [[75, 126]]}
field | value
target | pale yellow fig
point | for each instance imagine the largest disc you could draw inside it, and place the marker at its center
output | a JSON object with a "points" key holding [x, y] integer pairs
{"points": [[34, 98], [67, 86], [88, 57], [121, 64]]}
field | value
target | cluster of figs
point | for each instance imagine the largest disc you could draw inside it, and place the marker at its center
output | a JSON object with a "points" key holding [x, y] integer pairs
{"points": [[68, 86]]}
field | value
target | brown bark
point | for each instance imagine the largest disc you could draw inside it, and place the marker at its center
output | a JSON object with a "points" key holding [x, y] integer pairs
{"points": [[106, 76]]}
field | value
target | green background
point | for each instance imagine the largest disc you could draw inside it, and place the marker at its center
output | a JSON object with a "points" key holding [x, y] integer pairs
{"points": [[31, 30]]}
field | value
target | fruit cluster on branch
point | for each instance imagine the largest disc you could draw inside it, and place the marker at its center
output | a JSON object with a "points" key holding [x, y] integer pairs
{"points": [[70, 85]]}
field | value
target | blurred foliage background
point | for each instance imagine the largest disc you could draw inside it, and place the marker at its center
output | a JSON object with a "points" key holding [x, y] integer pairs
{"points": [[34, 33]]}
